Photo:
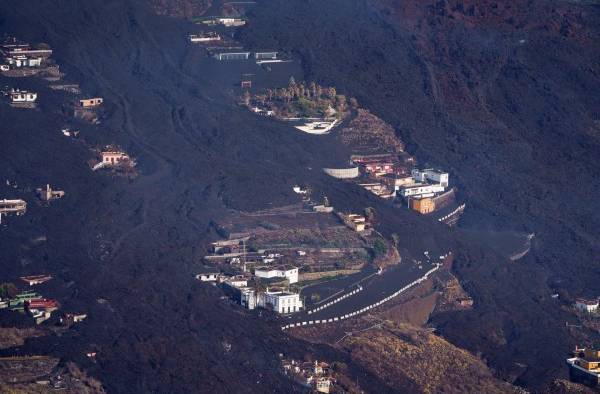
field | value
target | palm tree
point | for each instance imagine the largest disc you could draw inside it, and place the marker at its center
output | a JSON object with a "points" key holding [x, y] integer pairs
{"points": [[313, 89]]}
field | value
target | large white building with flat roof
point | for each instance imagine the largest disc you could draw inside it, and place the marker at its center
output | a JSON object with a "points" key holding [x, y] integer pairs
{"points": [[431, 175], [290, 273], [280, 301], [420, 190]]}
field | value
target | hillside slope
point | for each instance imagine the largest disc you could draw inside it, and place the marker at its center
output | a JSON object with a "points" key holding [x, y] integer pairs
{"points": [[505, 97]]}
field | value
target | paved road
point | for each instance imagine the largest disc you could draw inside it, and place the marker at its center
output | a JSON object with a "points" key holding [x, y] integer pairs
{"points": [[332, 287], [375, 289]]}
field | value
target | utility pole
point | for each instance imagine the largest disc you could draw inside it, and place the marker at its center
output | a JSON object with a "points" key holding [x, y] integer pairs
{"points": [[244, 254]]}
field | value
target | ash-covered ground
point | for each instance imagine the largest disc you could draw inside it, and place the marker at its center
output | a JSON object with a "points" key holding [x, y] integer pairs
{"points": [[518, 131]]}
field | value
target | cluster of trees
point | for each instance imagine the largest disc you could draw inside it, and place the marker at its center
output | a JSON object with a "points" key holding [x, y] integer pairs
{"points": [[304, 100]]}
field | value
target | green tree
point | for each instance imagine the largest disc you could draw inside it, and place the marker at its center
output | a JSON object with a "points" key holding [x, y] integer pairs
{"points": [[379, 248], [313, 90], [370, 213]]}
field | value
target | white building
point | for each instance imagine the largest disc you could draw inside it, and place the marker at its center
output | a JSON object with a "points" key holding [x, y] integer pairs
{"points": [[113, 157], [431, 175], [290, 273], [24, 61], [248, 298], [281, 302], [420, 190], [208, 277], [231, 22], [204, 38], [237, 281], [323, 384], [265, 55], [343, 173], [322, 209], [232, 56], [22, 96], [584, 305], [300, 190]]}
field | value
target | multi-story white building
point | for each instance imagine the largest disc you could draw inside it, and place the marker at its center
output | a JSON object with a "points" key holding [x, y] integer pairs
{"points": [[24, 61], [420, 190], [248, 297], [431, 175], [290, 273], [281, 302]]}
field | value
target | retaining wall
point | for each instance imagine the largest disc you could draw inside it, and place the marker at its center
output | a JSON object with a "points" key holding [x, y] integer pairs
{"points": [[361, 310]]}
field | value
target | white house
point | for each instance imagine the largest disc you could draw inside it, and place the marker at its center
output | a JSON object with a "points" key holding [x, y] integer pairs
{"points": [[22, 96], [237, 281], [113, 157], [431, 175], [300, 190], [281, 302], [290, 273], [586, 305], [323, 384], [208, 276], [420, 190]]}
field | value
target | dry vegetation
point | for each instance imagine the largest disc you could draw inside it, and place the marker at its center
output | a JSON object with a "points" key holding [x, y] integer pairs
{"points": [[397, 353], [10, 337], [391, 343], [561, 386], [332, 237], [450, 292], [367, 133], [69, 379]]}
